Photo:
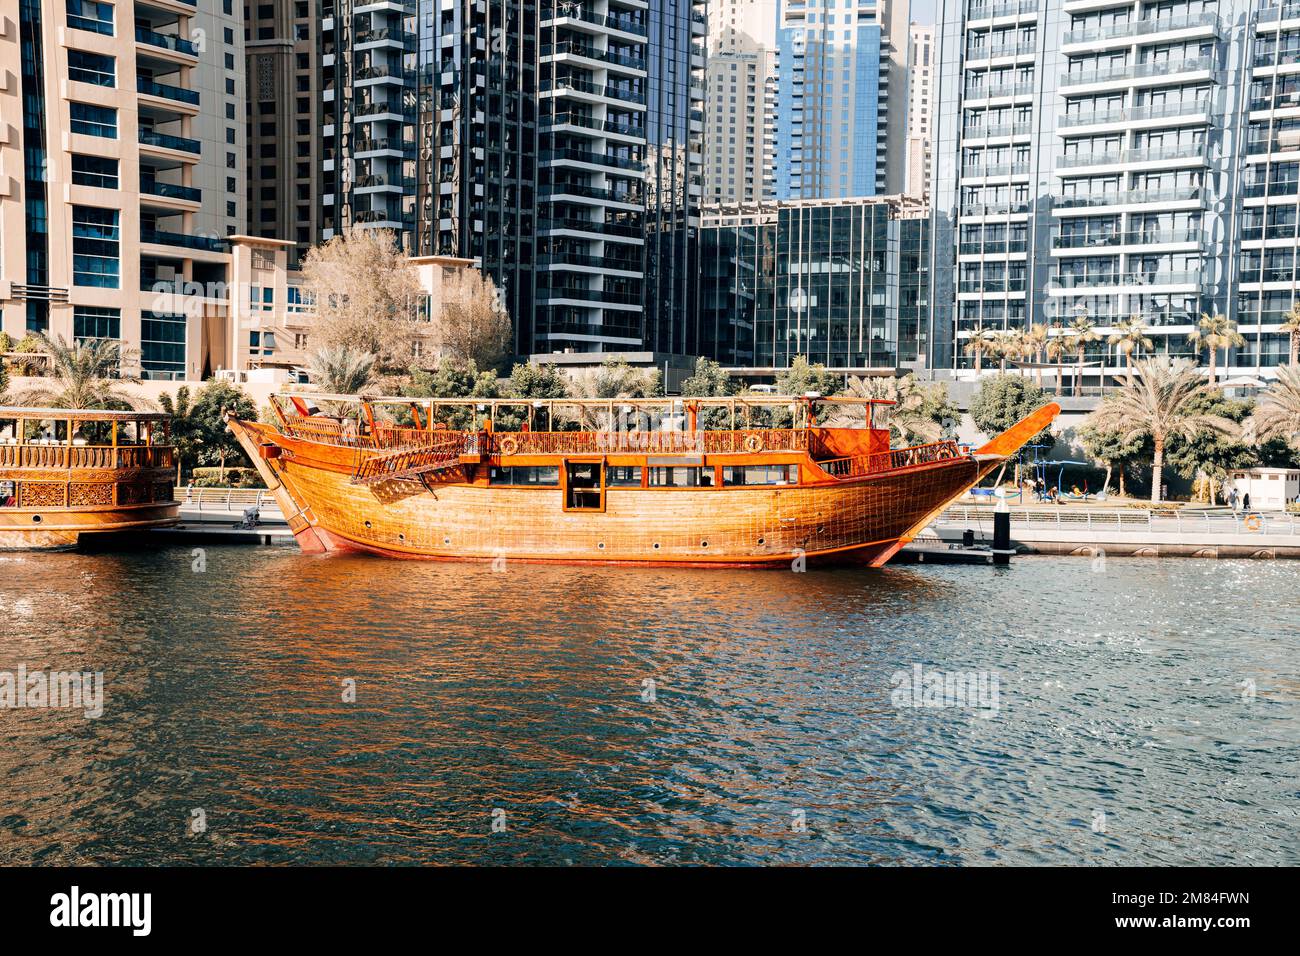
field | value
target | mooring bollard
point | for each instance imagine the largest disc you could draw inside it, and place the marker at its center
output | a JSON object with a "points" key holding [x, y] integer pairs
{"points": [[1002, 530]]}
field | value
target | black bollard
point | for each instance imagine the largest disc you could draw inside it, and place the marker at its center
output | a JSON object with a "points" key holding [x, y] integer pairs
{"points": [[968, 538], [1002, 533]]}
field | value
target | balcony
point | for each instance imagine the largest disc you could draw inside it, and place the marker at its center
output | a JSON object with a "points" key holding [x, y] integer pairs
{"points": [[1001, 284], [548, 192], [594, 159], [588, 295], [594, 226], [1150, 154], [201, 243], [561, 259], [623, 24], [1130, 197], [165, 42], [570, 48], [1140, 28], [1116, 279], [995, 52], [1199, 109], [1002, 89], [995, 209], [1149, 237], [1002, 129], [166, 141], [995, 169], [990, 11], [594, 89], [587, 122], [1138, 71], [1257, 190], [993, 247], [179, 94], [152, 187]]}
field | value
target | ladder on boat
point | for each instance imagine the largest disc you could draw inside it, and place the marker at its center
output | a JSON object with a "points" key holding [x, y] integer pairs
{"points": [[409, 463]]}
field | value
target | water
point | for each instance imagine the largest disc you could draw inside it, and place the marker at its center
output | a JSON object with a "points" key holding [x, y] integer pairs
{"points": [[1125, 731]]}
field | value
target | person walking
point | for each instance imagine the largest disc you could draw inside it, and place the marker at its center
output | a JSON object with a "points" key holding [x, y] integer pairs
{"points": [[1232, 499], [1245, 501]]}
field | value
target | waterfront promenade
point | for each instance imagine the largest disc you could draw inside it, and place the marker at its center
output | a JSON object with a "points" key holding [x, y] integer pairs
{"points": [[1130, 531]]}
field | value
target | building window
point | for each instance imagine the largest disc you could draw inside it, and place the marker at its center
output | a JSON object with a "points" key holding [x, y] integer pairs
{"points": [[261, 298], [94, 120], [93, 68], [91, 15], [94, 171], [91, 324], [96, 260], [162, 346]]}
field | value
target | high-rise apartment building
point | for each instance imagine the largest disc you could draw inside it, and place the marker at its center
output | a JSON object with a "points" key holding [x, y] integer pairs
{"points": [[740, 104], [921, 67], [556, 143], [841, 118], [1113, 160], [282, 46], [121, 171]]}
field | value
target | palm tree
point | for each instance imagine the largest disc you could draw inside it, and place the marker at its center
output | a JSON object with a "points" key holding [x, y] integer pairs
{"points": [[1082, 333], [1291, 326], [907, 416], [1007, 345], [1277, 415], [341, 370], [1130, 336], [979, 345], [1032, 343], [1056, 349], [85, 374], [1153, 400], [1215, 332]]}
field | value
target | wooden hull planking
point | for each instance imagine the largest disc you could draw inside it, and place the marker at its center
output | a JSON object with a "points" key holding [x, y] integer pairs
{"points": [[21, 531]]}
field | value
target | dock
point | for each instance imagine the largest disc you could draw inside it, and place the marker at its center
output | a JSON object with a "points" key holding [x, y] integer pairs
{"points": [[1129, 531]]}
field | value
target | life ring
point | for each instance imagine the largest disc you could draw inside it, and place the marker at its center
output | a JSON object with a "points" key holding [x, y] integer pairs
{"points": [[508, 445], [1253, 523], [753, 442]]}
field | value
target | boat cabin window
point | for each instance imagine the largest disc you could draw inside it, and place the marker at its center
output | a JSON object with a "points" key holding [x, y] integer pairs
{"points": [[584, 484], [8, 496], [681, 477], [623, 476], [541, 476], [758, 474]]}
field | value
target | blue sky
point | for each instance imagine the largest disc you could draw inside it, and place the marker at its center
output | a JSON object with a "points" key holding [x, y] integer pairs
{"points": [[923, 11]]}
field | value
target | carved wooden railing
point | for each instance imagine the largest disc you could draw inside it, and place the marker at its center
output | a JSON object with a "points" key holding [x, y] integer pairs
{"points": [[412, 462], [897, 459], [59, 457]]}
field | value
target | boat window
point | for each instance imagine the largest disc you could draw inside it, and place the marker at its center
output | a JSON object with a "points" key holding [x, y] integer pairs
{"points": [[628, 476], [681, 477], [758, 474], [542, 476], [584, 487], [8, 497]]}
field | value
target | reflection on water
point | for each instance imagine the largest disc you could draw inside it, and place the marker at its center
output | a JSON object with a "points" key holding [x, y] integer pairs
{"points": [[1147, 714]]}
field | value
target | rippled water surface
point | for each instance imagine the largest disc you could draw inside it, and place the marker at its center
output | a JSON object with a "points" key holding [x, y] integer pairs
{"points": [[1147, 713]]}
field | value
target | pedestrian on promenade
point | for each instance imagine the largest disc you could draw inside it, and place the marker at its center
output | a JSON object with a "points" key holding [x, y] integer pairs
{"points": [[1245, 501], [1232, 499]]}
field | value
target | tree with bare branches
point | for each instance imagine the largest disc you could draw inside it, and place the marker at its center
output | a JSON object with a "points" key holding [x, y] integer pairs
{"points": [[473, 326], [365, 295]]}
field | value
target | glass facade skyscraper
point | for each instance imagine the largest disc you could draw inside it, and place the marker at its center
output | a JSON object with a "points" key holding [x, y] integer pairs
{"points": [[842, 282]]}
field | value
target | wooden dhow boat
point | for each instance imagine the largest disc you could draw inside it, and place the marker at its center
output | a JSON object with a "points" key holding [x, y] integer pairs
{"points": [[678, 482], [67, 472]]}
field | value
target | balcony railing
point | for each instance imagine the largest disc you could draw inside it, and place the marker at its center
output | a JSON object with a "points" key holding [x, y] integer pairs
{"points": [[995, 209], [1070, 281], [1002, 129], [987, 11], [1002, 89], [1138, 238], [591, 225], [1137, 71], [1150, 154], [1140, 28], [166, 42], [595, 89], [170, 190], [1130, 197], [149, 137], [596, 159], [180, 94], [594, 262], [992, 247], [203, 243], [1007, 49], [591, 53], [1000, 284]]}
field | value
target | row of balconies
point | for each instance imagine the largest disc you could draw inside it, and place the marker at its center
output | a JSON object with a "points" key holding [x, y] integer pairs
{"points": [[1191, 108], [1114, 239], [1127, 156], [1130, 197]]}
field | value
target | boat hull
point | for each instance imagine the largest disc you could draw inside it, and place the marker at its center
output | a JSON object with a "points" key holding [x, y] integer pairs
{"points": [[45, 529], [857, 521]]}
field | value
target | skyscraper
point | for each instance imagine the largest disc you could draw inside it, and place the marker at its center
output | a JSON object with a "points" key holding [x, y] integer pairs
{"points": [[555, 142], [740, 108], [921, 67], [1112, 161], [840, 120], [121, 171], [282, 49]]}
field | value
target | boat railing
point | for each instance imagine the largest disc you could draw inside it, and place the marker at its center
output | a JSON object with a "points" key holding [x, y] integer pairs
{"points": [[119, 457], [896, 459]]}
